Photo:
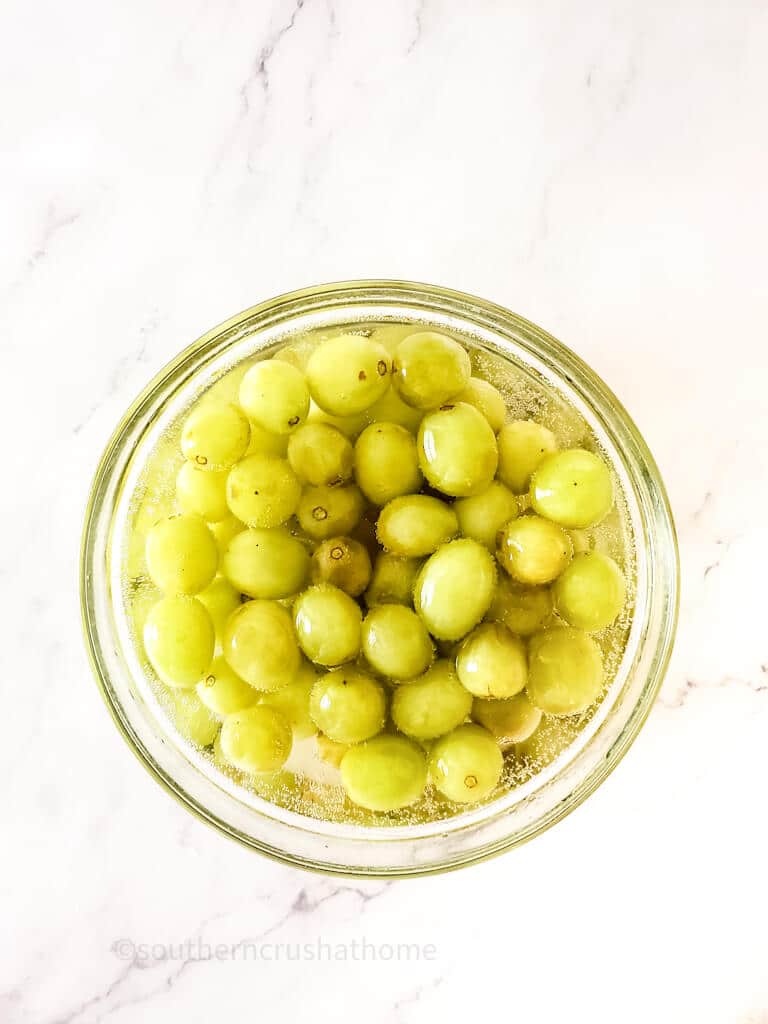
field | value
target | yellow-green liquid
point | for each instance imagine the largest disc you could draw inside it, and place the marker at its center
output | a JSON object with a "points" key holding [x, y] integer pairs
{"points": [[309, 785]]}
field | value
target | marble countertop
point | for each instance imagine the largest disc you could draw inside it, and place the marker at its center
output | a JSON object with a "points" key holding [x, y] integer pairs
{"points": [[600, 168]]}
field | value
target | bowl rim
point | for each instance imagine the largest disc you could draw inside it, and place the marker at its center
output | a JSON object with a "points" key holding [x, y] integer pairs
{"points": [[381, 287]]}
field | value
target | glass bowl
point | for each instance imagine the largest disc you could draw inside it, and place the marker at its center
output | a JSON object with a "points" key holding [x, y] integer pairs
{"points": [[362, 850]]}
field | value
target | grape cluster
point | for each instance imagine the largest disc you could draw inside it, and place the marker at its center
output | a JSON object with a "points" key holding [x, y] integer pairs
{"points": [[368, 552]]}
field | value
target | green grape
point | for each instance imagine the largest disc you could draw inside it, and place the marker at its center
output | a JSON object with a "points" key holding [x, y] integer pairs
{"points": [[429, 369], [396, 643], [348, 705], [349, 426], [181, 555], [565, 672], [522, 446], [260, 645], [386, 463], [202, 493], [330, 751], [465, 766], [293, 702], [431, 705], [224, 531], [325, 512], [486, 399], [511, 721], [457, 450], [320, 455], [348, 374], [454, 588], [483, 515], [193, 719], [343, 562], [264, 442], [384, 774], [523, 610], [179, 640], [416, 525], [572, 488], [392, 580], [263, 491], [256, 739], [275, 395], [390, 408], [327, 625], [223, 691], [533, 550], [220, 599], [266, 563], [548, 741], [591, 592], [215, 435], [492, 662]]}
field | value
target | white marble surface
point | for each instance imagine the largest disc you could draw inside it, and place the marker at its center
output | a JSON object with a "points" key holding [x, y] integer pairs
{"points": [[601, 168]]}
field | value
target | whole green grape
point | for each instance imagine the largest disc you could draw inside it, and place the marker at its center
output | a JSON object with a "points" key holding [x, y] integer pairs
{"points": [[348, 374], [223, 691], [392, 580], [486, 399], [384, 774], [522, 446], [220, 599], [224, 531], [263, 491], [533, 550], [415, 525], [193, 720], [591, 592], [510, 721], [215, 435], [431, 705], [343, 562], [349, 426], [181, 555], [454, 588], [429, 369], [465, 765], [483, 515], [256, 739], [572, 488], [523, 610], [260, 645], [327, 624], [457, 450], [390, 408], [320, 455], [275, 395], [179, 640], [202, 493], [386, 463], [565, 673], [325, 512], [396, 643], [293, 701], [492, 662], [264, 442], [348, 705], [266, 563]]}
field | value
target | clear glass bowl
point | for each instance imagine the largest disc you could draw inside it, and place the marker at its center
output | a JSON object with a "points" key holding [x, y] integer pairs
{"points": [[360, 850]]}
